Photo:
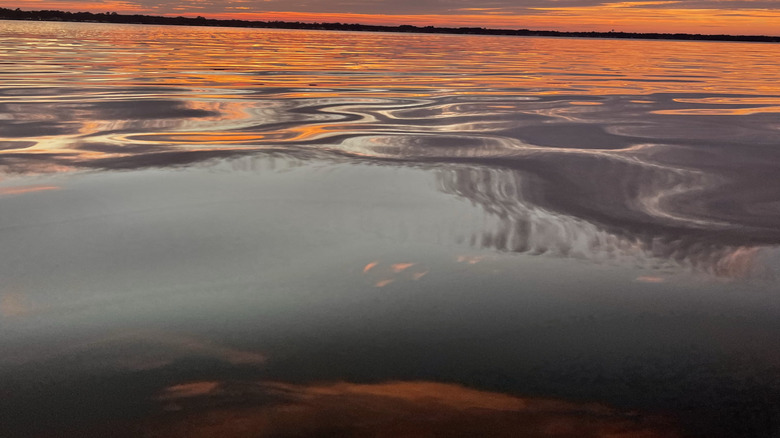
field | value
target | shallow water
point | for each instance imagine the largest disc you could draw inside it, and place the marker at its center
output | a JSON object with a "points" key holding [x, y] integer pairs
{"points": [[229, 232]]}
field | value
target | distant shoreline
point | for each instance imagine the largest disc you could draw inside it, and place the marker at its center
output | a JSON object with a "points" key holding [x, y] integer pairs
{"points": [[89, 17]]}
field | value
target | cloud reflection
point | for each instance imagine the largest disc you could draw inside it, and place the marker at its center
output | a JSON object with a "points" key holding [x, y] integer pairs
{"points": [[632, 156], [524, 219], [418, 408], [553, 179]]}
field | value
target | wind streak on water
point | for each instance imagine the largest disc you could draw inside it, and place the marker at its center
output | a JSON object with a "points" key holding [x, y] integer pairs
{"points": [[656, 150]]}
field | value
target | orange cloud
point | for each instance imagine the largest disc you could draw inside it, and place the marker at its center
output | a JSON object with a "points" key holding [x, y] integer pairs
{"points": [[637, 17], [630, 16], [666, 16], [91, 6]]}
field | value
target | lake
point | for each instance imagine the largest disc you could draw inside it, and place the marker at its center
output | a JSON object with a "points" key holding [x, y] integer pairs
{"points": [[247, 232]]}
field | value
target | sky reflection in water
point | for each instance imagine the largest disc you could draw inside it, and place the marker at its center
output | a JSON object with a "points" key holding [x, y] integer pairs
{"points": [[583, 220]]}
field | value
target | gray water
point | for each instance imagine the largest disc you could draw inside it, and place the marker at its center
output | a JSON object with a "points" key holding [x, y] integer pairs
{"points": [[231, 232]]}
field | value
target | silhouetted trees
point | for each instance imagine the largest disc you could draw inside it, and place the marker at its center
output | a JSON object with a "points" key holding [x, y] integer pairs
{"points": [[113, 17]]}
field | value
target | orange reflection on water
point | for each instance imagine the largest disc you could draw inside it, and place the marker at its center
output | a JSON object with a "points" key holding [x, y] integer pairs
{"points": [[179, 87], [383, 283], [141, 96], [14, 304], [19, 190], [393, 409], [210, 137], [400, 267], [188, 390], [471, 260], [382, 274], [650, 279], [205, 61], [419, 275], [721, 111]]}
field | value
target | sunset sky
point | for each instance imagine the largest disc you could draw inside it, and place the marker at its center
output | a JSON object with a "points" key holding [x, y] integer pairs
{"points": [[751, 17]]}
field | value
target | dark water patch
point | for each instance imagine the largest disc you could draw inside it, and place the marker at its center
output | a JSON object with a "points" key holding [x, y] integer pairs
{"points": [[55, 400], [122, 148], [137, 109], [172, 159], [573, 136], [27, 129]]}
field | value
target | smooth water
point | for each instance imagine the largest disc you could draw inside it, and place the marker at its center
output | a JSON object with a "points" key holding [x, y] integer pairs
{"points": [[231, 232]]}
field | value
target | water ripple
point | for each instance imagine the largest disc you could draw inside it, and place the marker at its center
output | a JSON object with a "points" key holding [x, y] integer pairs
{"points": [[617, 155]]}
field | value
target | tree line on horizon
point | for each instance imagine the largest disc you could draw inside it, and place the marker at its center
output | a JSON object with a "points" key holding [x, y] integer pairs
{"points": [[113, 17]]}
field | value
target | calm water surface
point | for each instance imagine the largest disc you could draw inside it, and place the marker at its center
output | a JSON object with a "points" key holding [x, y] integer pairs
{"points": [[227, 232]]}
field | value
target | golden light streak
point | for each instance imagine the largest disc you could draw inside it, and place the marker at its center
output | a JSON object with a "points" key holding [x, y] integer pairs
{"points": [[720, 111], [18, 190], [650, 279]]}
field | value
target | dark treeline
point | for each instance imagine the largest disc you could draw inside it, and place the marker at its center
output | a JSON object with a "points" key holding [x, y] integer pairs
{"points": [[113, 17]]}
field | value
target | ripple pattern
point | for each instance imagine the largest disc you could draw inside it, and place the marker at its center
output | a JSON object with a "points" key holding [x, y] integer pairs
{"points": [[573, 150]]}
